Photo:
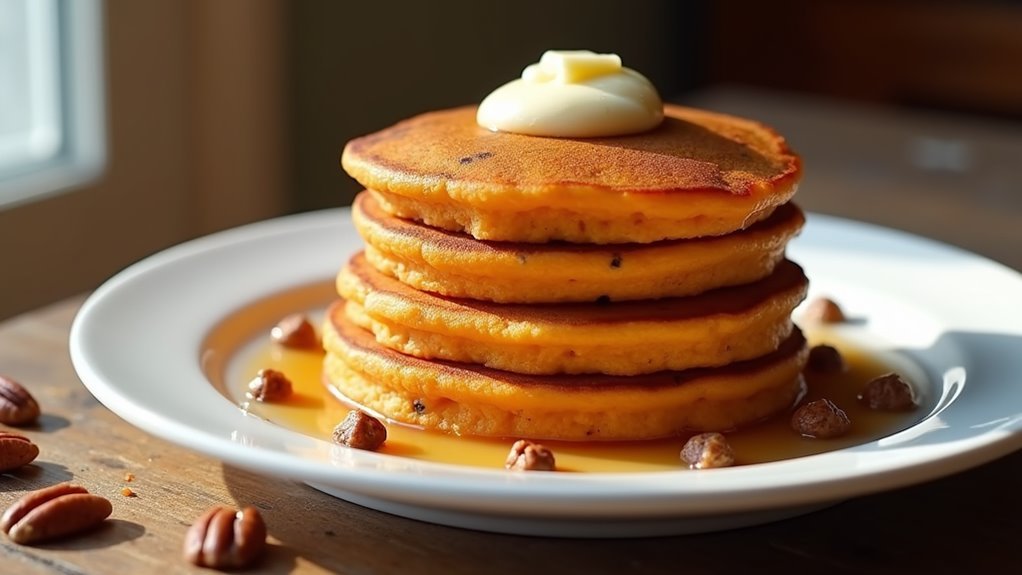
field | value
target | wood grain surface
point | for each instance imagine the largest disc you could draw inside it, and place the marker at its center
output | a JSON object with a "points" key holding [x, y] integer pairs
{"points": [[968, 522], [964, 523]]}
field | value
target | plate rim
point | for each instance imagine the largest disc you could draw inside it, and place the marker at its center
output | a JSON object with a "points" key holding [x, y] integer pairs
{"points": [[495, 491]]}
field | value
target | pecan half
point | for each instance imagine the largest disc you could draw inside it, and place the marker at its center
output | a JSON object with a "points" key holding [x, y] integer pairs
{"points": [[223, 538], [707, 450], [528, 456], [57, 511], [296, 332], [17, 406], [361, 431], [16, 450]]}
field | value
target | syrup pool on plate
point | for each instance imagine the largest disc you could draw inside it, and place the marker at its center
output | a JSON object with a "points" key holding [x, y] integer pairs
{"points": [[240, 346]]}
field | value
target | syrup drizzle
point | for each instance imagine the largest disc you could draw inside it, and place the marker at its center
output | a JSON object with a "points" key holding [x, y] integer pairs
{"points": [[240, 346]]}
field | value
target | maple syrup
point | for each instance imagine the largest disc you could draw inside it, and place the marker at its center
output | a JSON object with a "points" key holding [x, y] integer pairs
{"points": [[240, 346]]}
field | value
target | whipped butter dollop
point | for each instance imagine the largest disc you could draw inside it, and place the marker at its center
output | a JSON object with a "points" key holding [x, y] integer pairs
{"points": [[574, 94]]}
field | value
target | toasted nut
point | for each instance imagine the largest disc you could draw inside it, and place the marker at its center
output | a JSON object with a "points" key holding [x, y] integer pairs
{"points": [[825, 359], [296, 332], [16, 450], [269, 385], [888, 392], [361, 431], [528, 456], [17, 406], [820, 419], [223, 538], [707, 450], [823, 310], [57, 511]]}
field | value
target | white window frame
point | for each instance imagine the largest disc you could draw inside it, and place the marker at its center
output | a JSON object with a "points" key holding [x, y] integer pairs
{"points": [[64, 145]]}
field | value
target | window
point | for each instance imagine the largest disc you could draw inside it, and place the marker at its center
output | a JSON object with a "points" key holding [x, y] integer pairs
{"points": [[52, 124]]}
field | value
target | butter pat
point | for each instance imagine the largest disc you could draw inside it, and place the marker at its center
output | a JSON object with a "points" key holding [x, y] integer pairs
{"points": [[571, 66], [574, 94]]}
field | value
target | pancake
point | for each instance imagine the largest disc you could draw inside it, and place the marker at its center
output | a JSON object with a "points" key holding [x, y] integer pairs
{"points": [[467, 399], [697, 174], [454, 264], [626, 338]]}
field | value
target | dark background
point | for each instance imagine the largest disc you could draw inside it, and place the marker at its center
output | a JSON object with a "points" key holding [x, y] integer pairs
{"points": [[358, 67]]}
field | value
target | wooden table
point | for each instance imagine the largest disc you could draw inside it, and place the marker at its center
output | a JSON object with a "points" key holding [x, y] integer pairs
{"points": [[969, 522]]}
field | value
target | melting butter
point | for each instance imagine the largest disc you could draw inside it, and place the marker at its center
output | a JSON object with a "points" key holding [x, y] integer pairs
{"points": [[574, 94]]}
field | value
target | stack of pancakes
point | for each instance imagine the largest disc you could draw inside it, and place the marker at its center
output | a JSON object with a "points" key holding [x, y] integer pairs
{"points": [[617, 288]]}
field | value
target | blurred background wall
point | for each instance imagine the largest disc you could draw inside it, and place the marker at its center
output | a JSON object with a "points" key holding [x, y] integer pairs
{"points": [[221, 113], [361, 66]]}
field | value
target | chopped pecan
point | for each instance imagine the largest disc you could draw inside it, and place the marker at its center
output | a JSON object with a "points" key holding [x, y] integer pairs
{"points": [[296, 332], [820, 419], [888, 392], [823, 310], [825, 359], [528, 456], [707, 450], [269, 385], [223, 538], [361, 431]]}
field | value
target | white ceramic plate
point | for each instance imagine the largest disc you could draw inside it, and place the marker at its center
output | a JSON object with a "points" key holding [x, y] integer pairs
{"points": [[136, 344]]}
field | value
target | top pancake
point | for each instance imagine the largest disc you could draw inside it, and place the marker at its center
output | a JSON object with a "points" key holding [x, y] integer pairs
{"points": [[695, 165]]}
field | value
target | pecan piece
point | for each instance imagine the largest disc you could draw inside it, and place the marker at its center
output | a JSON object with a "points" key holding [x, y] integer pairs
{"points": [[296, 332], [820, 419], [528, 456], [17, 406], [361, 431], [888, 392], [825, 359], [707, 450], [16, 450], [823, 310], [57, 511], [269, 385], [223, 538]]}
